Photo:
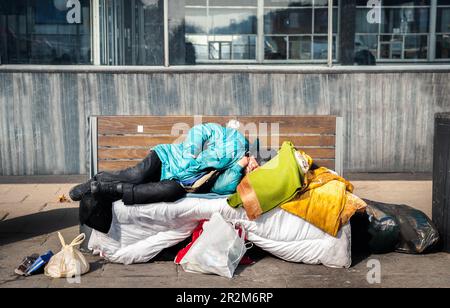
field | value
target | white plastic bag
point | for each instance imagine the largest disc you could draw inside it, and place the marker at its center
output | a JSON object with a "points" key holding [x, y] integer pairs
{"points": [[69, 262], [218, 250]]}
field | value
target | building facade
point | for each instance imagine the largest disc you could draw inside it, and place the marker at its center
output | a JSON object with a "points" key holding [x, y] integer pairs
{"points": [[384, 65]]}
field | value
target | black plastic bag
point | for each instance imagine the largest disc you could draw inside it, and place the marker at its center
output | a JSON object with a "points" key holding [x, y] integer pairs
{"points": [[399, 227]]}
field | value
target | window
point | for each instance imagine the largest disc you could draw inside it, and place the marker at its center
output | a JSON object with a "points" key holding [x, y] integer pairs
{"points": [[297, 30], [399, 31], [249, 31], [45, 32], [134, 32], [131, 32], [443, 29], [213, 31]]}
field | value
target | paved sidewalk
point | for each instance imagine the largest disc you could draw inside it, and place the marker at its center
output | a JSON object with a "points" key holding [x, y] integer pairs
{"points": [[30, 216]]}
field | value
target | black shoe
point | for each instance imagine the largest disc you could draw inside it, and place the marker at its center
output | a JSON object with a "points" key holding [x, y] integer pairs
{"points": [[107, 188], [77, 192], [96, 212]]}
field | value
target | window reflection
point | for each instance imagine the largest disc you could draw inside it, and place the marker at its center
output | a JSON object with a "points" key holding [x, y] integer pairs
{"points": [[297, 30], [45, 32], [131, 32], [212, 30], [402, 35], [227, 31], [443, 30]]}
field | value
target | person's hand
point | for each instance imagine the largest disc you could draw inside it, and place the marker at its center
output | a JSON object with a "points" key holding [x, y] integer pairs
{"points": [[252, 165], [244, 162]]}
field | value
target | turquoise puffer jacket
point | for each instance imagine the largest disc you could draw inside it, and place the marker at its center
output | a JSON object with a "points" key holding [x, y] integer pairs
{"points": [[206, 146]]}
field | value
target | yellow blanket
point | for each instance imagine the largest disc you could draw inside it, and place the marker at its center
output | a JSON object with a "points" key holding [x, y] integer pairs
{"points": [[326, 202]]}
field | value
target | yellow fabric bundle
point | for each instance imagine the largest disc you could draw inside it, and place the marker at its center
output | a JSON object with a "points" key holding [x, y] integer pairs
{"points": [[326, 201]]}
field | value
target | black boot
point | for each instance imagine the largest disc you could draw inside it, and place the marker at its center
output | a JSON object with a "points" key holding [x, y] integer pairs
{"points": [[96, 212], [112, 189], [77, 192]]}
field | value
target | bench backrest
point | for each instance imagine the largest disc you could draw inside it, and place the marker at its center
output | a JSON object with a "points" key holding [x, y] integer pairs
{"points": [[118, 142]]}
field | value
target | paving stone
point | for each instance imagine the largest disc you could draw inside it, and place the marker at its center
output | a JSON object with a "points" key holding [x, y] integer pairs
{"points": [[154, 269], [27, 282], [16, 193], [25, 208], [117, 282], [44, 193], [39, 223], [4, 188]]}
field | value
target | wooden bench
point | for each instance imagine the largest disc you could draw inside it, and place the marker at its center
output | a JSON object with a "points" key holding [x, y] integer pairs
{"points": [[118, 142]]}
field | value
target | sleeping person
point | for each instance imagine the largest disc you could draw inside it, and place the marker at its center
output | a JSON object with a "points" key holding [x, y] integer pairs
{"points": [[212, 154]]}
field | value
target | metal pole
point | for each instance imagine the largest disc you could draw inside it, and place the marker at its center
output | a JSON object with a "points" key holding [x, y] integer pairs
{"points": [[166, 33], [95, 5], [330, 33], [260, 32], [432, 33]]}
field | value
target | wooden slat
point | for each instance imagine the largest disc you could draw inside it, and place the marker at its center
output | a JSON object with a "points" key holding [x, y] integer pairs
{"points": [[299, 141], [315, 153], [135, 141], [150, 141], [128, 124], [123, 153], [110, 125], [329, 163], [110, 165]]}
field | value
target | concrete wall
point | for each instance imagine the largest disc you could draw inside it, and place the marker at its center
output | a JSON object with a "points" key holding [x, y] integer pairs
{"points": [[388, 115]]}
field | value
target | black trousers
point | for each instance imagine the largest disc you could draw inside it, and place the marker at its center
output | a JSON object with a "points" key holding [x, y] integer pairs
{"points": [[141, 183]]}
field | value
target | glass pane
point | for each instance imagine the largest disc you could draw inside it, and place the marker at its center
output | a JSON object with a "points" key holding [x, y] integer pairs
{"points": [[366, 48], [252, 3], [232, 21], [391, 46], [195, 2], [212, 30], [443, 2], [320, 47], [244, 47], [196, 20], [45, 32], [287, 3], [443, 46], [196, 48], [275, 48], [300, 48], [443, 20], [416, 47], [406, 2], [321, 20], [404, 20], [288, 21], [132, 32], [402, 33], [362, 25]]}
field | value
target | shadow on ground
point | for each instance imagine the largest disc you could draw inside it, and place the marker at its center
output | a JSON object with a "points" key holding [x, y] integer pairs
{"points": [[25, 227]]}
